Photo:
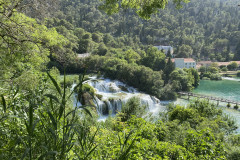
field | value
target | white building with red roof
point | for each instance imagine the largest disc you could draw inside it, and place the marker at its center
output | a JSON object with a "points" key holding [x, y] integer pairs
{"points": [[184, 62]]}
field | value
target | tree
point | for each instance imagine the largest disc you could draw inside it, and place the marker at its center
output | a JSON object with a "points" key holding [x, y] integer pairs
{"points": [[202, 69], [154, 59], [232, 66], [143, 8], [131, 56], [102, 49], [170, 66], [169, 54], [237, 53], [96, 37], [25, 45], [196, 77], [185, 51], [33, 8]]}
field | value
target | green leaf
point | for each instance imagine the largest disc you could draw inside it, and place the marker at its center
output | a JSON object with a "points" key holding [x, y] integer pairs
{"points": [[55, 84], [61, 109], [4, 104], [34, 125], [53, 120], [70, 112], [25, 153], [16, 92], [88, 112], [52, 97], [47, 154], [86, 157], [31, 110], [74, 89]]}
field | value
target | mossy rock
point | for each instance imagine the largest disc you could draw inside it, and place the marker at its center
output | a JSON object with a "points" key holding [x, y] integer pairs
{"points": [[228, 105], [105, 109], [99, 96], [236, 107], [111, 99], [123, 88], [87, 88], [87, 99]]}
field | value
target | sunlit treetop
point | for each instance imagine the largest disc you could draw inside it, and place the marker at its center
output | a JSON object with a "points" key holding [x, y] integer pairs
{"points": [[144, 8]]}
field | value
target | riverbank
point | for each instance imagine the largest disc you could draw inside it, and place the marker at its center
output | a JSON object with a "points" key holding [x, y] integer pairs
{"points": [[228, 88]]}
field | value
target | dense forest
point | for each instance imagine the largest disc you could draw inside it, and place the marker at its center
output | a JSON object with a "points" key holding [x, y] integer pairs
{"points": [[39, 40], [208, 30]]}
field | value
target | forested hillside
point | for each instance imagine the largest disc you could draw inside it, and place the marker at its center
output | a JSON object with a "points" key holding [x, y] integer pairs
{"points": [[45, 115], [202, 28]]}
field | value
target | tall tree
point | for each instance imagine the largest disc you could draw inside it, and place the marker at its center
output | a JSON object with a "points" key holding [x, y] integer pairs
{"points": [[170, 66]]}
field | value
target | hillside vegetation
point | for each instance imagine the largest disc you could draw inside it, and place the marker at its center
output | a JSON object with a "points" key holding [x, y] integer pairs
{"points": [[41, 39]]}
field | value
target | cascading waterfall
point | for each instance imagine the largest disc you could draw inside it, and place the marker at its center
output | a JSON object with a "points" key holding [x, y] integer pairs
{"points": [[115, 93]]}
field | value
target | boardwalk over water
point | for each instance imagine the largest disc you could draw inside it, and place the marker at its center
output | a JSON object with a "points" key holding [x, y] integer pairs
{"points": [[189, 94]]}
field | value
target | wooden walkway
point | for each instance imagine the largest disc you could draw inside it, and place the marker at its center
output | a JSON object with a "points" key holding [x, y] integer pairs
{"points": [[189, 94]]}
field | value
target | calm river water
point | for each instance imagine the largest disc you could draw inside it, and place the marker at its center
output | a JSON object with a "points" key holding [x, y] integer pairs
{"points": [[228, 88]]}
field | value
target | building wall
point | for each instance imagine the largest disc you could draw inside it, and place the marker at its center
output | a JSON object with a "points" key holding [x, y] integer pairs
{"points": [[190, 64], [179, 63], [165, 49]]}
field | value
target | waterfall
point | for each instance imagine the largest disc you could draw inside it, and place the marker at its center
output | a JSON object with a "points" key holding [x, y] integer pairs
{"points": [[115, 93]]}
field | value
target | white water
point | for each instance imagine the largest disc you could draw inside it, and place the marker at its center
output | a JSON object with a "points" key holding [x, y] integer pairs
{"points": [[231, 79], [115, 93]]}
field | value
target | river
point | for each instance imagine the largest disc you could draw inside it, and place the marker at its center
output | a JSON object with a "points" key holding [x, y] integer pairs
{"points": [[115, 93], [228, 88]]}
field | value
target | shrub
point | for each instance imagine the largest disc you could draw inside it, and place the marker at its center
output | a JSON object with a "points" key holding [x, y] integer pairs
{"points": [[205, 78], [238, 74], [224, 69], [215, 77]]}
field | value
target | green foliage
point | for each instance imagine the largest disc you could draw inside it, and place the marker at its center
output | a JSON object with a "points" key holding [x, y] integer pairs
{"points": [[132, 107], [183, 79], [143, 9], [134, 75], [232, 66], [228, 105], [236, 107], [169, 68], [203, 144], [196, 77], [224, 69], [215, 77], [154, 59], [185, 51], [46, 120], [211, 72], [37, 117], [183, 29]]}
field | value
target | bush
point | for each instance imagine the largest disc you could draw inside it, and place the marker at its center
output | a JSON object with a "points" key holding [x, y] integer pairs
{"points": [[215, 77], [132, 107], [238, 74], [207, 74], [232, 66], [205, 78], [224, 69]]}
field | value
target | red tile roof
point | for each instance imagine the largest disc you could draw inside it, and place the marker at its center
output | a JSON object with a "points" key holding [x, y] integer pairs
{"points": [[185, 59], [205, 62], [227, 63], [189, 60]]}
